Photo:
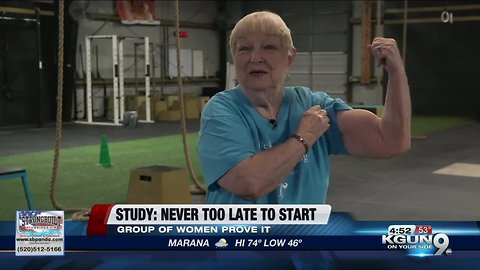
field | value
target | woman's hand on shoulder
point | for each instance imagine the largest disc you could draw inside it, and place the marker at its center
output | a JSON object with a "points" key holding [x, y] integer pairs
{"points": [[314, 123]]}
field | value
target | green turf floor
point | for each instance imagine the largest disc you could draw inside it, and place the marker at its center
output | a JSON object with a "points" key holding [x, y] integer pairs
{"points": [[82, 182], [428, 125]]}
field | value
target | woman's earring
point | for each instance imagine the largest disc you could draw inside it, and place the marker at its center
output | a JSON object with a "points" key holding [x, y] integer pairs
{"points": [[287, 78], [235, 81]]}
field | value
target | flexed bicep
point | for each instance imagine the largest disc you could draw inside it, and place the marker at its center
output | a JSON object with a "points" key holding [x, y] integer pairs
{"points": [[361, 131]]}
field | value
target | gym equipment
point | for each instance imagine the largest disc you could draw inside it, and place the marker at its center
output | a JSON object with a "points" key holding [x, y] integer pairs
{"points": [[13, 173], [116, 95], [146, 42], [104, 159], [79, 213], [117, 80], [158, 184], [197, 188], [83, 213], [104, 83]]}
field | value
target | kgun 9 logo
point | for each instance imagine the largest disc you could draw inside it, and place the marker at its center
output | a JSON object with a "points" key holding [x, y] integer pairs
{"points": [[401, 241]]}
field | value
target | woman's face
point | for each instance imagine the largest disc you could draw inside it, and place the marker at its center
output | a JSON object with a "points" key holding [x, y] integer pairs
{"points": [[261, 61]]}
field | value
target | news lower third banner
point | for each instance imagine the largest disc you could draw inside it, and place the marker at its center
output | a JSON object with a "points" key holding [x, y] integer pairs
{"points": [[185, 219], [245, 227], [268, 227]]}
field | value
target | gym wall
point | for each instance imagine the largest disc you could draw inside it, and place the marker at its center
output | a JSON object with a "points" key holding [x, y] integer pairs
{"points": [[441, 58]]}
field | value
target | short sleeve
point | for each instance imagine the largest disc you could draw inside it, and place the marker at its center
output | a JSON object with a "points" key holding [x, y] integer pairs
{"points": [[224, 141], [333, 135]]}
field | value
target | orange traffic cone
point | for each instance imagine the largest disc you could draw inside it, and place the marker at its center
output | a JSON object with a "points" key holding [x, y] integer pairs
{"points": [[105, 153]]}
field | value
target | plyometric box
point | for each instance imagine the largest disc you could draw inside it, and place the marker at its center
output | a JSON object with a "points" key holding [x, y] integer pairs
{"points": [[159, 185]]}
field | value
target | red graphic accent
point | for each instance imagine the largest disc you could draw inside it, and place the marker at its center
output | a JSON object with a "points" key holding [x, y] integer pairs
{"points": [[423, 229], [25, 229], [137, 12], [97, 223]]}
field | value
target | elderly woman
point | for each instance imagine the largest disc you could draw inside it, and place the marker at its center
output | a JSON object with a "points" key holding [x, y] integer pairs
{"points": [[262, 142]]}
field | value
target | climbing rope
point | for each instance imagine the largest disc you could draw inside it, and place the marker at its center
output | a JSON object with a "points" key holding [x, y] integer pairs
{"points": [[83, 213], [80, 212], [198, 186]]}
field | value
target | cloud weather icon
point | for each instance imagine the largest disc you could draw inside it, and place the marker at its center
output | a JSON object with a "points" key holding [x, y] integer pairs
{"points": [[221, 243]]}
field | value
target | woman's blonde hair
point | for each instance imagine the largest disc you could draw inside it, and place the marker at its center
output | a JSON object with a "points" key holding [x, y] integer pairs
{"points": [[264, 22]]}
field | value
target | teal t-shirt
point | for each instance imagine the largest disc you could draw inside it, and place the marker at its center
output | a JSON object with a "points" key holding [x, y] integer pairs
{"points": [[231, 130]]}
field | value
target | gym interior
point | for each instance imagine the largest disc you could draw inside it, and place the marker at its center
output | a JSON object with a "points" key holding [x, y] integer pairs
{"points": [[120, 105]]}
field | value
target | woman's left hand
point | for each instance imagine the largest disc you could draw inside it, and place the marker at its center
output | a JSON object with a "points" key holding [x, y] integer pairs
{"points": [[385, 50]]}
